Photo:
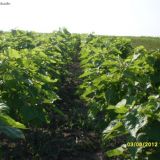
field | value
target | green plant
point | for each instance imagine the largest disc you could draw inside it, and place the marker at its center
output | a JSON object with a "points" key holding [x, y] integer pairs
{"points": [[8, 125], [119, 84]]}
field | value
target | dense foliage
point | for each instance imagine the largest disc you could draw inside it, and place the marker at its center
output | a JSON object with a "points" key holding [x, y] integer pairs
{"points": [[120, 84], [32, 68]]}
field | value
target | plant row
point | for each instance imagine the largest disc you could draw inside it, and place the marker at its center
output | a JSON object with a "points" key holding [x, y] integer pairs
{"points": [[32, 69], [121, 86]]}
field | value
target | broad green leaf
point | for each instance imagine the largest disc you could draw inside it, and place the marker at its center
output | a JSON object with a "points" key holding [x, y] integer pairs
{"points": [[116, 152], [120, 107], [135, 56], [134, 122], [114, 129], [11, 122], [12, 132], [121, 103], [85, 74]]}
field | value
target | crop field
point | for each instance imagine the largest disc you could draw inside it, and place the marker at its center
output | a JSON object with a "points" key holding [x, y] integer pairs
{"points": [[75, 96], [150, 43]]}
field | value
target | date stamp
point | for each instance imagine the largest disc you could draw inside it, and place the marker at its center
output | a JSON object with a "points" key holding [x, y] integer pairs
{"points": [[143, 144]]}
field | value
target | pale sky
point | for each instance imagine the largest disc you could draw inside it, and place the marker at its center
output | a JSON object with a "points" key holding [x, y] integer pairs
{"points": [[110, 17]]}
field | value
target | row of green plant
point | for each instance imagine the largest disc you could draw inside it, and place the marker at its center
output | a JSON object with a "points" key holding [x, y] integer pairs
{"points": [[32, 69], [121, 86]]}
